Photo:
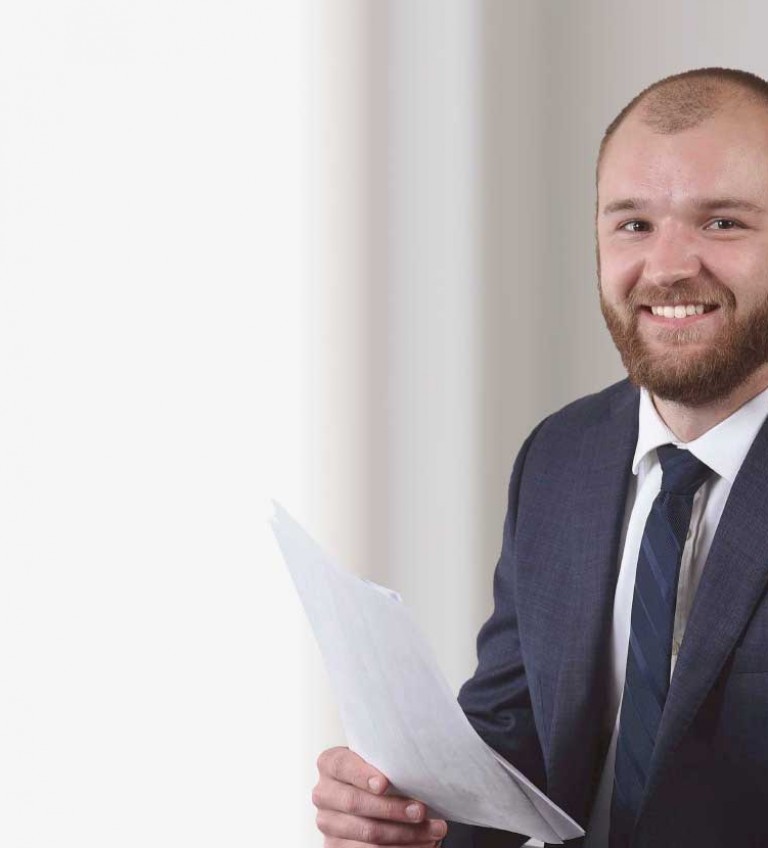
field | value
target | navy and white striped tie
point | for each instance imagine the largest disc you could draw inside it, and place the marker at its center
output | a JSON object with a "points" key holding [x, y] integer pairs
{"points": [[650, 640]]}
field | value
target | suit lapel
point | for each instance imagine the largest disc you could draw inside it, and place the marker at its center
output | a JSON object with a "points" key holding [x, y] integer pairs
{"points": [[603, 472], [734, 578]]}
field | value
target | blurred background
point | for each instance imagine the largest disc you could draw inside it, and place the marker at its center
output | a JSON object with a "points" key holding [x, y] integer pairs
{"points": [[334, 252]]}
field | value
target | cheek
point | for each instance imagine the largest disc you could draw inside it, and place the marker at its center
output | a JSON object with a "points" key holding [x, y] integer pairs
{"points": [[745, 276], [743, 256], [619, 272]]}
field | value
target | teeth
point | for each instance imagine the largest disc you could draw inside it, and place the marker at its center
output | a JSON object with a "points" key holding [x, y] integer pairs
{"points": [[678, 311]]}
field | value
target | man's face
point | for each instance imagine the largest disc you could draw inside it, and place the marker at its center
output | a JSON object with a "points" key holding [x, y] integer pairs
{"points": [[682, 221]]}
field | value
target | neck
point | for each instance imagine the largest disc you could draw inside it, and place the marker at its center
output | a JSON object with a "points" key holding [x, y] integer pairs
{"points": [[690, 422]]}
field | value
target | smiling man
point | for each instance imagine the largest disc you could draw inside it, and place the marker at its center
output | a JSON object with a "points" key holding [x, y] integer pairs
{"points": [[682, 226], [625, 666]]}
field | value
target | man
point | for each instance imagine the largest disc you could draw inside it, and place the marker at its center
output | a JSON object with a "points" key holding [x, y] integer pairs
{"points": [[619, 673]]}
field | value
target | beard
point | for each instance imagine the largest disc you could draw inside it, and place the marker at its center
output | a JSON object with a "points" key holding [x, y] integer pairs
{"points": [[676, 372]]}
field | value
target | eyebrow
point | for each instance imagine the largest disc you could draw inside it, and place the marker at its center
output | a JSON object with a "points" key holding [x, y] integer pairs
{"points": [[637, 204]]}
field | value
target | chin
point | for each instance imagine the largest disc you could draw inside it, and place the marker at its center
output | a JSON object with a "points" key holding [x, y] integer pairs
{"points": [[700, 384]]}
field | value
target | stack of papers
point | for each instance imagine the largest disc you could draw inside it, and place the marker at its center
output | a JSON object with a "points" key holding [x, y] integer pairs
{"points": [[398, 710]]}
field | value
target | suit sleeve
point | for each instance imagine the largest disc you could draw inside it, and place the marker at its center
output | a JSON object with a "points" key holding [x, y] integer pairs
{"points": [[496, 699]]}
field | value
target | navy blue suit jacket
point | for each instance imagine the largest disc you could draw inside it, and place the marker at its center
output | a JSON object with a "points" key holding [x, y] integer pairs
{"points": [[540, 690]]}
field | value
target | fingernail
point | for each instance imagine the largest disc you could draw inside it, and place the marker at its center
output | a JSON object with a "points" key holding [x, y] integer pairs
{"points": [[413, 811], [376, 784], [438, 829]]}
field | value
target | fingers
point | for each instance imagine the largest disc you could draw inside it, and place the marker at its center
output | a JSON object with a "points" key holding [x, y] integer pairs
{"points": [[332, 795], [352, 809], [346, 766], [345, 786], [377, 832], [345, 843]]}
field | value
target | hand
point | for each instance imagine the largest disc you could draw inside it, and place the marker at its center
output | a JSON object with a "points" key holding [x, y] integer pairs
{"points": [[353, 812]]}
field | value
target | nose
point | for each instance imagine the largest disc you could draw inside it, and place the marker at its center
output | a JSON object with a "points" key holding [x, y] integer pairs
{"points": [[671, 257]]}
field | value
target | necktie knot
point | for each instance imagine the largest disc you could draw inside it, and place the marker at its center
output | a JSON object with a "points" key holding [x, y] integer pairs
{"points": [[682, 472]]}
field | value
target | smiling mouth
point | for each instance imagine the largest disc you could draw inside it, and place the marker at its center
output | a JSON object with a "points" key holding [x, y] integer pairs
{"points": [[681, 310]]}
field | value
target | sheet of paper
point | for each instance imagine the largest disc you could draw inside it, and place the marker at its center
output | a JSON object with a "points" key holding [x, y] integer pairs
{"points": [[398, 710]]}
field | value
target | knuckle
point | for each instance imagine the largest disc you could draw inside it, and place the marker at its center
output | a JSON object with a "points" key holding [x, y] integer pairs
{"points": [[369, 832], [324, 759], [353, 802], [336, 759], [323, 822], [317, 795]]}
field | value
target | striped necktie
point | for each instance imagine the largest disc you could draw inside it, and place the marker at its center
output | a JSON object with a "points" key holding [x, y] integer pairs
{"points": [[650, 640]]}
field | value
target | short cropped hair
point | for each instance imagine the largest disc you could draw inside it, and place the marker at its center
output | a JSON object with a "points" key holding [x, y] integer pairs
{"points": [[684, 100]]}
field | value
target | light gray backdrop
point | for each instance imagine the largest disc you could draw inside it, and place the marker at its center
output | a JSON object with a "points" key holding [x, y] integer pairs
{"points": [[453, 269]]}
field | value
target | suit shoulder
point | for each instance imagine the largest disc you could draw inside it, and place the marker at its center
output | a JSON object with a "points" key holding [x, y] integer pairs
{"points": [[594, 407], [580, 414]]}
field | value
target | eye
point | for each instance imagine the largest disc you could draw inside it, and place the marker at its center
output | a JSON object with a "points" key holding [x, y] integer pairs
{"points": [[635, 226], [722, 224]]}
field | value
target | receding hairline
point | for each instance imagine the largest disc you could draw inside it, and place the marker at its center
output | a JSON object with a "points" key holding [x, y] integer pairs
{"points": [[683, 101]]}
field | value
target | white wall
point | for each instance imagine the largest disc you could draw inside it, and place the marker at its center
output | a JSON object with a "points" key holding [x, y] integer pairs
{"points": [[153, 395]]}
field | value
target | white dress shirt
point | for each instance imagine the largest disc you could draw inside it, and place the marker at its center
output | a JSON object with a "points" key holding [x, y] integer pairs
{"points": [[723, 449]]}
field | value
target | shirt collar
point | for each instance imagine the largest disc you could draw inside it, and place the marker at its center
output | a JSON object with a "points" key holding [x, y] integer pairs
{"points": [[722, 448]]}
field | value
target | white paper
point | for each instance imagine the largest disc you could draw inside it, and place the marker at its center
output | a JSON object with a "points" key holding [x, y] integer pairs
{"points": [[398, 710]]}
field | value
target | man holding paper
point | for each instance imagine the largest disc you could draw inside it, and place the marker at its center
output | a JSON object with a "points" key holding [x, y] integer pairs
{"points": [[624, 669]]}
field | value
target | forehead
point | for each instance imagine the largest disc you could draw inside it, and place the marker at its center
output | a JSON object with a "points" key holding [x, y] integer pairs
{"points": [[725, 154]]}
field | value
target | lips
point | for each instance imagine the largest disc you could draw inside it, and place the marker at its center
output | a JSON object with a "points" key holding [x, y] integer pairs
{"points": [[679, 314]]}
